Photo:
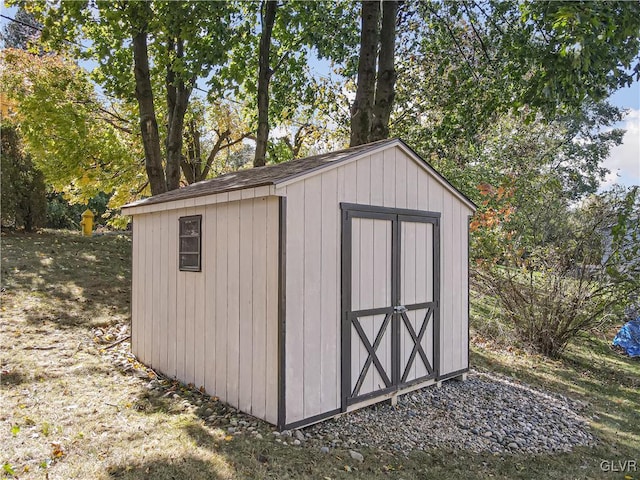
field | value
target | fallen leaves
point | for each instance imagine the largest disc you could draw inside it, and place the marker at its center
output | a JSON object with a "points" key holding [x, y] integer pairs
{"points": [[56, 450]]}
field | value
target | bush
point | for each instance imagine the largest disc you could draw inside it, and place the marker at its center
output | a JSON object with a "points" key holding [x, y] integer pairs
{"points": [[548, 306], [551, 293], [23, 188], [62, 214]]}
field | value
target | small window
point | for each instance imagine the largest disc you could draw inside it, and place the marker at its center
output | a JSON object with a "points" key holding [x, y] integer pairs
{"points": [[190, 241]]}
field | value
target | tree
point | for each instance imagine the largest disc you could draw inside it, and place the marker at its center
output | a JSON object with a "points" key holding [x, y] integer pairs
{"points": [[537, 58], [218, 128], [142, 46], [82, 147], [268, 70], [373, 102], [22, 32], [23, 188], [267, 20]]}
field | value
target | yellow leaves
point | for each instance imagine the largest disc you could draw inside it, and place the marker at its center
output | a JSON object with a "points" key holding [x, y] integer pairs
{"points": [[57, 451], [228, 438]]}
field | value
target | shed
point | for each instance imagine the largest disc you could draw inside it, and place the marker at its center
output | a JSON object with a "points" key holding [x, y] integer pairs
{"points": [[299, 291]]}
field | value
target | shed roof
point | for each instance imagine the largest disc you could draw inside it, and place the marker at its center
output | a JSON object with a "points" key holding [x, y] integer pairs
{"points": [[283, 172]]}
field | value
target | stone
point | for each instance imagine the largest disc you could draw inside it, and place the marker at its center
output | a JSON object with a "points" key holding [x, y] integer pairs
{"points": [[324, 450], [299, 435], [258, 436], [356, 456], [491, 414], [296, 442]]}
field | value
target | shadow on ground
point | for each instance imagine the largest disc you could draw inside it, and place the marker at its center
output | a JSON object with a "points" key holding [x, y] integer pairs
{"points": [[67, 279], [166, 469]]}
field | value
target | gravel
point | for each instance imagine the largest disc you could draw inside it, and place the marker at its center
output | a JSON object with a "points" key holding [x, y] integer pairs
{"points": [[485, 413]]}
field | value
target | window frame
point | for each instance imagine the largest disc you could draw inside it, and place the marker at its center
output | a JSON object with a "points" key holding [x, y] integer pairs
{"points": [[190, 268]]}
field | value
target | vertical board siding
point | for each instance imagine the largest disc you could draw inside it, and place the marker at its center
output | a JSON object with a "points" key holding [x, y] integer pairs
{"points": [[329, 314], [272, 347], [233, 302], [148, 286], [172, 288], [216, 328], [259, 312], [312, 294], [294, 337], [209, 267], [392, 179], [190, 280], [199, 300], [245, 327], [221, 293], [156, 221], [389, 169], [163, 327], [180, 318]]}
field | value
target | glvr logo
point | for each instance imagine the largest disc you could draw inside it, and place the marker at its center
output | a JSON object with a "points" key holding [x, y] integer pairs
{"points": [[619, 466]]}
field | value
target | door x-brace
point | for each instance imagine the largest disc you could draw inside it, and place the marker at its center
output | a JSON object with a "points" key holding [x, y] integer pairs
{"points": [[417, 347], [372, 358]]}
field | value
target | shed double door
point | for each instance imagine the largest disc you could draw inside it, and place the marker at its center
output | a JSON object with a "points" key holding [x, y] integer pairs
{"points": [[390, 299]]}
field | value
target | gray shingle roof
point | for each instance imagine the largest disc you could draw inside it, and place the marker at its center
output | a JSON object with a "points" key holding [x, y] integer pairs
{"points": [[259, 176], [281, 172]]}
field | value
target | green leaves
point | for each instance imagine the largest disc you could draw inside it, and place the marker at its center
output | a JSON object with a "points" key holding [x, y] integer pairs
{"points": [[81, 146]]}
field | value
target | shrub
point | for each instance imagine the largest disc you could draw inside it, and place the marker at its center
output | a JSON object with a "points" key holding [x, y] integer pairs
{"points": [[23, 188], [551, 293]]}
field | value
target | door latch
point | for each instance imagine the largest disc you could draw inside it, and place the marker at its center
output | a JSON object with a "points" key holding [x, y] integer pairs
{"points": [[399, 309]]}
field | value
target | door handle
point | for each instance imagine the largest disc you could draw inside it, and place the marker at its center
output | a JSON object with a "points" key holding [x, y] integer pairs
{"points": [[399, 309]]}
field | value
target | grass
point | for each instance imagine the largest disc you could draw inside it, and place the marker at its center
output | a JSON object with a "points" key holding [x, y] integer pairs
{"points": [[70, 410]]}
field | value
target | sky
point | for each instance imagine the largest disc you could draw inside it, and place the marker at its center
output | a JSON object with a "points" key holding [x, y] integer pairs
{"points": [[623, 161]]}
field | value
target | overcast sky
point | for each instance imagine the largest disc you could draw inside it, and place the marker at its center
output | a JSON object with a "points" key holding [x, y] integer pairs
{"points": [[624, 160]]}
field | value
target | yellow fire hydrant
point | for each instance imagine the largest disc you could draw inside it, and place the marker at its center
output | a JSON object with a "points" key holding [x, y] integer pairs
{"points": [[87, 223]]}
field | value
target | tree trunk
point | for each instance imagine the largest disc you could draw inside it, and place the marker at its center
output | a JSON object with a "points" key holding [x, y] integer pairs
{"points": [[148, 122], [386, 80], [361, 110], [268, 17], [177, 102]]}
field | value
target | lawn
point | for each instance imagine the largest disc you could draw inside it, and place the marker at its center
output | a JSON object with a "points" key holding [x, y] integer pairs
{"points": [[74, 405]]}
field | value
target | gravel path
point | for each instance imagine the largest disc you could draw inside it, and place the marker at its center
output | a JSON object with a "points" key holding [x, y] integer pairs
{"points": [[485, 413]]}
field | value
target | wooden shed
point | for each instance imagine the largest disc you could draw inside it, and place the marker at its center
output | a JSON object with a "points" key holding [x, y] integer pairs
{"points": [[299, 291]]}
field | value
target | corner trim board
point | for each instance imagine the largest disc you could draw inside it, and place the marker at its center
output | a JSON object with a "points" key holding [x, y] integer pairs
{"points": [[282, 313], [310, 420]]}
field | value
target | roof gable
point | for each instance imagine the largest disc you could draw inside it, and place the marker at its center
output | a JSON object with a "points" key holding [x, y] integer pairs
{"points": [[290, 172]]}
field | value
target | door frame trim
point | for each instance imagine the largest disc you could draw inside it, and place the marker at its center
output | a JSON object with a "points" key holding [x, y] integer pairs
{"points": [[396, 216]]}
